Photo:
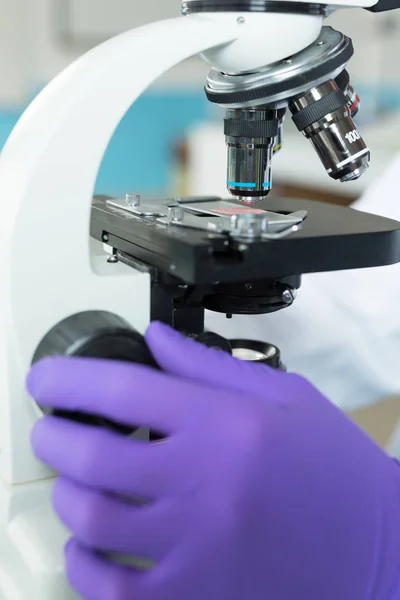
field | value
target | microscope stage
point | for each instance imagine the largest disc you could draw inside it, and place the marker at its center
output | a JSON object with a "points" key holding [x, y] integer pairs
{"points": [[207, 240]]}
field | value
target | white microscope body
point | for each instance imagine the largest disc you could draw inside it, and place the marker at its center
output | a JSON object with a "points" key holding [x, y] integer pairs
{"points": [[49, 270]]}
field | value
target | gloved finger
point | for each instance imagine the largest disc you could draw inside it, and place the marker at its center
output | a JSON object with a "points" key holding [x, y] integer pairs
{"points": [[110, 524], [121, 392], [186, 358], [95, 578], [101, 459]]}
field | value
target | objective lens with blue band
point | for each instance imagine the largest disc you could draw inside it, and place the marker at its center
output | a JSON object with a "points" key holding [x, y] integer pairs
{"points": [[251, 135]]}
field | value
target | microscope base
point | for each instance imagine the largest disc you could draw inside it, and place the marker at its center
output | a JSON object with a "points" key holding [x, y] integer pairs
{"points": [[31, 545]]}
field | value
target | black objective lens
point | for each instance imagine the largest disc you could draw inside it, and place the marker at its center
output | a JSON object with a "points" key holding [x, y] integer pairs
{"points": [[251, 136]]}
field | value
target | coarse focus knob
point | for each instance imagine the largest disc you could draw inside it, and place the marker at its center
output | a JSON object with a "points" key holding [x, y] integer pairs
{"points": [[94, 334]]}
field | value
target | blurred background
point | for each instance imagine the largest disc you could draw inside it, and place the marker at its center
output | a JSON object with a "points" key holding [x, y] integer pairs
{"points": [[171, 141]]}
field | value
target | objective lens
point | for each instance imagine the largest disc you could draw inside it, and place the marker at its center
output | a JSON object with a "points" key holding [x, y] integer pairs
{"points": [[324, 117], [251, 135]]}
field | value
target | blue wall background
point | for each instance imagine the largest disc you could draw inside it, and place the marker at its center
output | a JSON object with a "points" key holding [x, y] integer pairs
{"points": [[139, 157], [140, 154]]}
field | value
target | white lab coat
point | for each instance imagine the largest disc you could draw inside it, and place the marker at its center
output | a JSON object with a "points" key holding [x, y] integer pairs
{"points": [[343, 330]]}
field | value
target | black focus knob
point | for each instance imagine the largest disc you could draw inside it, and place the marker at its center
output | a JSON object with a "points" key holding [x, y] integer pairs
{"points": [[94, 334], [213, 340]]}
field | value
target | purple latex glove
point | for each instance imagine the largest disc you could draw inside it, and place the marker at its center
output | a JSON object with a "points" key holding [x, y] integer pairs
{"points": [[262, 490]]}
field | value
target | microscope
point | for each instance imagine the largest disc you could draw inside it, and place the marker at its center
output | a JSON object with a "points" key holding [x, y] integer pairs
{"points": [[84, 276]]}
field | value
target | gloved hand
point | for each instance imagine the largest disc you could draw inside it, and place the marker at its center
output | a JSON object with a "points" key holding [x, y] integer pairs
{"points": [[262, 490]]}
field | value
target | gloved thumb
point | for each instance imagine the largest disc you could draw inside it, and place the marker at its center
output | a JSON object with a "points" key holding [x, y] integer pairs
{"points": [[187, 358]]}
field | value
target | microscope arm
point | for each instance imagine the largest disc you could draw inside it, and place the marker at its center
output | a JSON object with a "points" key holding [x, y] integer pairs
{"points": [[48, 172]]}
